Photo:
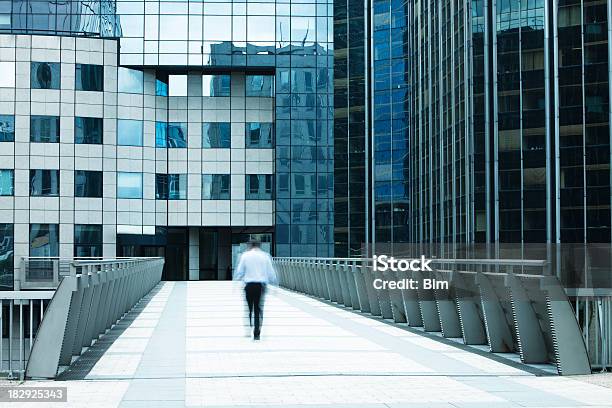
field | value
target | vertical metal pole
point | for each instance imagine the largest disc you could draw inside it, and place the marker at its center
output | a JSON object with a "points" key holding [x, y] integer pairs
{"points": [[21, 366], [586, 322], [10, 342], [31, 321]]}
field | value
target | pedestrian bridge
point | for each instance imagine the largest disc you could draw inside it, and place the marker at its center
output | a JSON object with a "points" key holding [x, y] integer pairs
{"points": [[188, 344], [114, 335]]}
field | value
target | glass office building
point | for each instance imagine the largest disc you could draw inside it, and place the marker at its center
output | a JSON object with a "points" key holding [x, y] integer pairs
{"points": [[351, 182], [372, 117], [504, 134], [167, 128], [513, 103]]}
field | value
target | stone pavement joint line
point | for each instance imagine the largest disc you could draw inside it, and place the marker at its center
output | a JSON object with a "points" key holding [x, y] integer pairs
{"points": [[189, 345]]}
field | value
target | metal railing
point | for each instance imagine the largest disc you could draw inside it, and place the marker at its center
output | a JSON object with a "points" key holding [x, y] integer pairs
{"points": [[510, 305], [20, 317], [45, 272], [43, 331]]}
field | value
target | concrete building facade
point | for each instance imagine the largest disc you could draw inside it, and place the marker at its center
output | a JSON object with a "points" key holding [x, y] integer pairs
{"points": [[176, 129]]}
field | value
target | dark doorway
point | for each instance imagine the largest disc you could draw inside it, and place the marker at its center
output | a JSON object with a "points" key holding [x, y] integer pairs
{"points": [[170, 243]]}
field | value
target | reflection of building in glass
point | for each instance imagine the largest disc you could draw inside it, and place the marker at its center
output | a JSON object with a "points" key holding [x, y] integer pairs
{"points": [[201, 125], [351, 143], [508, 110], [372, 106], [82, 18], [511, 125]]}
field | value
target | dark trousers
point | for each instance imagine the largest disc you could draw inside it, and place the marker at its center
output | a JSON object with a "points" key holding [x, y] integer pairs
{"points": [[254, 297]]}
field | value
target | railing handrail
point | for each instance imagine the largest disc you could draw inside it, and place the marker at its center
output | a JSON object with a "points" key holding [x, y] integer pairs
{"points": [[509, 311], [463, 261], [26, 294], [46, 272]]}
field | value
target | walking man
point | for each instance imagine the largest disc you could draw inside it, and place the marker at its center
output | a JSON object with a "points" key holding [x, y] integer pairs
{"points": [[255, 269]]}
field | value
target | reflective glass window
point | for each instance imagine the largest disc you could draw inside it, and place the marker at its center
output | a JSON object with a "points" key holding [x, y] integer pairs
{"points": [[215, 186], [45, 75], [161, 85], [161, 134], [7, 182], [130, 80], [177, 85], [259, 135], [87, 240], [172, 27], [258, 186], [7, 128], [129, 132], [217, 28], [261, 28], [260, 85], [7, 79], [6, 256], [87, 130], [216, 85], [216, 135], [172, 134], [87, 183], [44, 183], [129, 185], [44, 240], [89, 77], [44, 129], [170, 186]]}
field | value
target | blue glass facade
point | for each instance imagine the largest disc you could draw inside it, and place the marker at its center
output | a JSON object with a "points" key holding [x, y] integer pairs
{"points": [[372, 115], [390, 121], [81, 18]]}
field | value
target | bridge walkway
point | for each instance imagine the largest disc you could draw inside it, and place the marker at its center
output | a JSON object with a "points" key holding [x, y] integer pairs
{"points": [[188, 344]]}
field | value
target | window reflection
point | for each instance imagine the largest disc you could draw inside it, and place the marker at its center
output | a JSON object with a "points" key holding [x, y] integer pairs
{"points": [[216, 85], [261, 28], [216, 135], [88, 130], [44, 183], [45, 75], [88, 240], [259, 135], [44, 240], [215, 186], [172, 27], [217, 28], [129, 80], [177, 85], [260, 85], [129, 132], [88, 183], [7, 182], [7, 128], [161, 84], [44, 129], [6, 256], [259, 186], [170, 186], [129, 185], [89, 77], [172, 134]]}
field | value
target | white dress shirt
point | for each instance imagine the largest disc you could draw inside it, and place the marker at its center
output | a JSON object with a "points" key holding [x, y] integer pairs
{"points": [[255, 265]]}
